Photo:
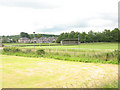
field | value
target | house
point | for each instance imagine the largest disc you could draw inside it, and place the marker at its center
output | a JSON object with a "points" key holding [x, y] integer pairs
{"points": [[9, 40], [69, 42], [52, 39], [38, 40], [1, 40], [24, 40], [43, 40], [34, 40], [1, 45]]}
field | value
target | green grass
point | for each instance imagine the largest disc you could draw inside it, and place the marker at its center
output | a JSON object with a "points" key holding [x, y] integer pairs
{"points": [[97, 55], [98, 45], [102, 58], [24, 72], [7, 44], [86, 46]]}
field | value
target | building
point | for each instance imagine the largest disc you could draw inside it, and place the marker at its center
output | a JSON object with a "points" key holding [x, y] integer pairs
{"points": [[1, 45], [43, 40], [38, 40], [52, 39], [69, 42], [1, 40], [24, 40], [9, 40], [6, 40], [34, 40]]}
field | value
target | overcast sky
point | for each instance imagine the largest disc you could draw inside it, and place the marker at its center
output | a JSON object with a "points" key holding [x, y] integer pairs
{"points": [[57, 16]]}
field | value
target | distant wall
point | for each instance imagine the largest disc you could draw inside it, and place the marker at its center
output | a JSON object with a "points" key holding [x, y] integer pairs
{"points": [[69, 42], [1, 45]]}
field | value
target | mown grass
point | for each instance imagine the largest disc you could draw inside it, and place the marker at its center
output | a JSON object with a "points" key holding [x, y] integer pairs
{"points": [[43, 44], [24, 72], [86, 46]]}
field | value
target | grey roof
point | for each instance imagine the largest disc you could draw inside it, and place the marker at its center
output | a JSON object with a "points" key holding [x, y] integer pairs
{"points": [[24, 38]]}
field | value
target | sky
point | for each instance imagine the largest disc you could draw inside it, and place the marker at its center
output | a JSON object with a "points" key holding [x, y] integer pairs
{"points": [[57, 16]]}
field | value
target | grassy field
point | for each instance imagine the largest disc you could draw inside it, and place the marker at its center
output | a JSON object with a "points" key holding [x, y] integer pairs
{"points": [[7, 44], [25, 72], [88, 52], [96, 46]]}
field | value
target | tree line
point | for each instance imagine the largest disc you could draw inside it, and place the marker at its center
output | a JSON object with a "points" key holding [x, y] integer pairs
{"points": [[22, 35], [105, 36], [30, 36]]}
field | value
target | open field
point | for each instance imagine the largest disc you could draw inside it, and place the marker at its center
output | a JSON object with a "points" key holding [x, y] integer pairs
{"points": [[95, 46], [7, 44], [24, 72], [98, 45], [86, 52]]}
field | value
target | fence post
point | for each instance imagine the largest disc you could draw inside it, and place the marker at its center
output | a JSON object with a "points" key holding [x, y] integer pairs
{"points": [[74, 52], [66, 50]]}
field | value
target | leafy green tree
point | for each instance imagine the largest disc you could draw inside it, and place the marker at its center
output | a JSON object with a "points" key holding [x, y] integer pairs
{"points": [[60, 38], [107, 35], [71, 35], [115, 35], [23, 34]]}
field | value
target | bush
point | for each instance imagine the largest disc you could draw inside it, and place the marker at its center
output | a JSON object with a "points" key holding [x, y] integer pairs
{"points": [[66, 54], [40, 52], [117, 54], [11, 49], [28, 51]]}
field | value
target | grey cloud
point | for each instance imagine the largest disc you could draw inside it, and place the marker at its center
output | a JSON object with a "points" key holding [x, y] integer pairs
{"points": [[62, 27], [53, 29], [27, 4], [80, 24], [109, 16]]}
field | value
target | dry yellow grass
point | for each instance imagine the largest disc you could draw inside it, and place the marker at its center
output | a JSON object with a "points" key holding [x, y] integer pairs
{"points": [[24, 72]]}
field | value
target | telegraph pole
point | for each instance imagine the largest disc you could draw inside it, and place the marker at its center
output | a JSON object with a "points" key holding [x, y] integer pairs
{"points": [[34, 38], [49, 44], [78, 39], [1, 42], [78, 42]]}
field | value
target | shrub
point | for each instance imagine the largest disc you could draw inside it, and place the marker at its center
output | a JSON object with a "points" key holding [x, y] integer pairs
{"points": [[11, 49], [28, 51], [40, 52], [66, 54], [117, 54]]}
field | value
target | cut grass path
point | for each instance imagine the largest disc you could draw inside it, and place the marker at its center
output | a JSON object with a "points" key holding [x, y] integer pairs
{"points": [[24, 72]]}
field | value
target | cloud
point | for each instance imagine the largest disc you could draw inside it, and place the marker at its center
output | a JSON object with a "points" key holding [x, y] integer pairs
{"points": [[100, 23], [56, 16], [26, 4], [63, 27]]}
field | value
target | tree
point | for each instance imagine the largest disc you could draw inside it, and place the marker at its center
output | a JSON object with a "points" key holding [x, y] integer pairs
{"points": [[115, 35], [23, 34], [60, 38], [105, 36], [90, 36], [82, 37], [71, 35]]}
